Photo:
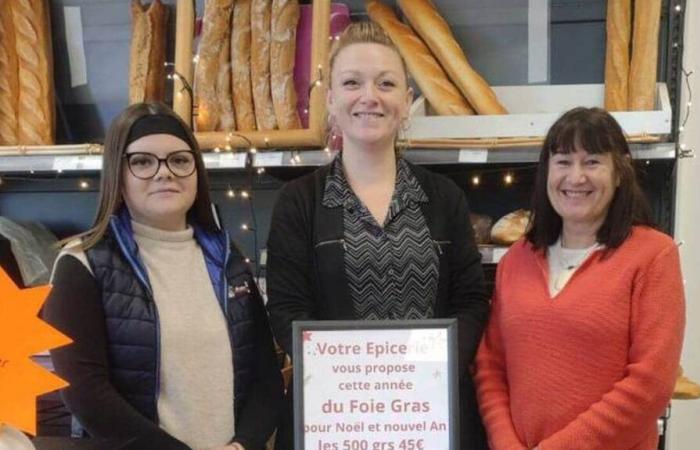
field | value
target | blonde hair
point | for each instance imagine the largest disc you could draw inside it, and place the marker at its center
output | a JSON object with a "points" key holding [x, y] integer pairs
{"points": [[363, 33]]}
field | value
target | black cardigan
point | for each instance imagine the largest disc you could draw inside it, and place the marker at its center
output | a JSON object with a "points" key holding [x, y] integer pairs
{"points": [[306, 276], [306, 281]]}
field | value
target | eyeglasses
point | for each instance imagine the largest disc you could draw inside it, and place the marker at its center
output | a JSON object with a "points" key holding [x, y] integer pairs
{"points": [[144, 165]]}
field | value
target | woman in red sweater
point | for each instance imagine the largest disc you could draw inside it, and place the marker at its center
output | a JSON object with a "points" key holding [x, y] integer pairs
{"points": [[585, 335]]}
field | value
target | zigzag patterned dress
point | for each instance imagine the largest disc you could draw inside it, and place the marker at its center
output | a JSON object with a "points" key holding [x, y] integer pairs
{"points": [[392, 270]]}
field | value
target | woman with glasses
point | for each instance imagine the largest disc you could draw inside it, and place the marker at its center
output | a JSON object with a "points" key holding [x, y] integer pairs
{"points": [[172, 346]]}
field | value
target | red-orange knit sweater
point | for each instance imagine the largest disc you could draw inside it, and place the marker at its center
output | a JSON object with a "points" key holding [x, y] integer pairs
{"points": [[593, 367]]}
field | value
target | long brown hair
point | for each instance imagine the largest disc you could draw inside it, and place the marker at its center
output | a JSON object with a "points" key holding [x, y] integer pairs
{"points": [[113, 166], [595, 131]]}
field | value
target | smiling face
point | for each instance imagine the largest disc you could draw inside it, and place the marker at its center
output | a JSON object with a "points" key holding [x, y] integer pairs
{"points": [[581, 186], [162, 201], [369, 96]]}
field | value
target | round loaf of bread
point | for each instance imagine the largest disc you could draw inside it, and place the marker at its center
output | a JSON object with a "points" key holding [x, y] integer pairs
{"points": [[482, 228], [511, 227]]}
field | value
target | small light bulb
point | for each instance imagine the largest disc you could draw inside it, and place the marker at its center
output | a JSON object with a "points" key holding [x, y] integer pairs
{"points": [[245, 194], [681, 128], [230, 193], [297, 158], [84, 184], [508, 179], [476, 180], [261, 170], [244, 227], [318, 83], [195, 59], [217, 149], [247, 260], [678, 8], [228, 147], [327, 150], [253, 150]]}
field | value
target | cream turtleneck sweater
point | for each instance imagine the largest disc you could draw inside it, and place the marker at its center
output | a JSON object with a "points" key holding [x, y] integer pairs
{"points": [[195, 403]]}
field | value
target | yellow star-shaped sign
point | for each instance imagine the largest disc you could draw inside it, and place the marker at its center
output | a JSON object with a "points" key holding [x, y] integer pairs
{"points": [[23, 334]]}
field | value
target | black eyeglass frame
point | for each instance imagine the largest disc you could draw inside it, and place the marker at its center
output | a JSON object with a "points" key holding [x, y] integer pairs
{"points": [[127, 157]]}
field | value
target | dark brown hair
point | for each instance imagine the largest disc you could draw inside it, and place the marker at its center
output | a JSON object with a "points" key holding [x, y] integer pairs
{"points": [[595, 131], [113, 166]]}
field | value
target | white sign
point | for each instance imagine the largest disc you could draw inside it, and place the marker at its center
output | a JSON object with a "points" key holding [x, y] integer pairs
{"points": [[473, 155], [228, 160], [82, 162], [376, 389], [268, 159]]}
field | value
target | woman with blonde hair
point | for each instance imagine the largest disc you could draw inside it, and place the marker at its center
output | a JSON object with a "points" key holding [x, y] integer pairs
{"points": [[371, 236]]}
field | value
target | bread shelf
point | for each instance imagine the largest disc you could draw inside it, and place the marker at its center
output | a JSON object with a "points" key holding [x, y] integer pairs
{"points": [[532, 111], [492, 254], [87, 158]]}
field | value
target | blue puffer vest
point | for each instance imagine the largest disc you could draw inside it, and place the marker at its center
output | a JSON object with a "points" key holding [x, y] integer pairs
{"points": [[132, 317]]}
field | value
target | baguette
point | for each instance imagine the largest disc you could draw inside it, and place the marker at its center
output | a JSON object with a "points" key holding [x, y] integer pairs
{"points": [[213, 61], [147, 63], [35, 105], [240, 67], [158, 21], [430, 26], [617, 57], [443, 96], [140, 49], [9, 82], [260, 64], [645, 49], [283, 37]]}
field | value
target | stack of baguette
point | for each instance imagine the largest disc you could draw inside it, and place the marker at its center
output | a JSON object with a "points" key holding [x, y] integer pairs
{"points": [[435, 59], [630, 77], [148, 43], [26, 73], [244, 74]]}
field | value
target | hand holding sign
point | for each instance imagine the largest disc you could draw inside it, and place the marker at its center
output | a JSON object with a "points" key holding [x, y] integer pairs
{"points": [[23, 334]]}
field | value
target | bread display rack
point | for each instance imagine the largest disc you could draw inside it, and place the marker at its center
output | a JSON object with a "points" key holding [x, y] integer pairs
{"points": [[505, 138], [533, 109], [313, 136]]}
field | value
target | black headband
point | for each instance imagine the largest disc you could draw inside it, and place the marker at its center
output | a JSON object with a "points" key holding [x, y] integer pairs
{"points": [[157, 124]]}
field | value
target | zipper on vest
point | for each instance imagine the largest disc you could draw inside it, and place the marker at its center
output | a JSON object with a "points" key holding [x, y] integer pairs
{"points": [[439, 244], [227, 257], [333, 241]]}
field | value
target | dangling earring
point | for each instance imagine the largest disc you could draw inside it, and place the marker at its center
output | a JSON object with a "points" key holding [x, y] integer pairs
{"points": [[402, 140], [334, 138]]}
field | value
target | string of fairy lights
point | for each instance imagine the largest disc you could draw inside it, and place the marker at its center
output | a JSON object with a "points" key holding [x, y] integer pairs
{"points": [[505, 177]]}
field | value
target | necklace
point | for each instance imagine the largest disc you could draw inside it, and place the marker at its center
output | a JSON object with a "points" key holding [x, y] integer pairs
{"points": [[566, 267]]}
